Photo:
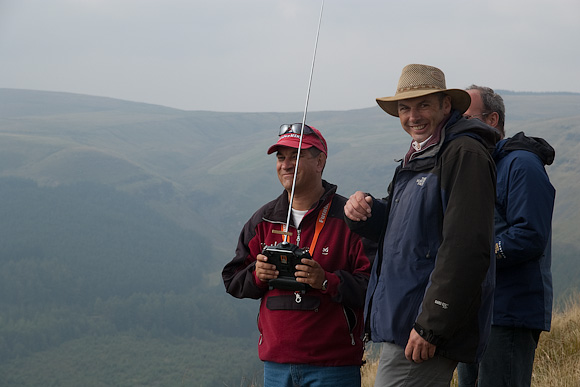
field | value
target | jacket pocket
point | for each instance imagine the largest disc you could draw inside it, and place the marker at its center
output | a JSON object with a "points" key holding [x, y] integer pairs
{"points": [[293, 302], [351, 321]]}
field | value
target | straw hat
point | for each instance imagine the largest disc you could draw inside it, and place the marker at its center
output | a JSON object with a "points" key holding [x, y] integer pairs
{"points": [[418, 80]]}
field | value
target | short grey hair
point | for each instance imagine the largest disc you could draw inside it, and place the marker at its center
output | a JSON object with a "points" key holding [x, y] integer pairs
{"points": [[492, 102]]}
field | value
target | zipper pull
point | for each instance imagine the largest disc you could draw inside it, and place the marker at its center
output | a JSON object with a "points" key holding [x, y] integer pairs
{"points": [[367, 337], [297, 297]]}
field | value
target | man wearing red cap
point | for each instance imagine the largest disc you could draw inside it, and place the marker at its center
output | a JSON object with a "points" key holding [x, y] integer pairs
{"points": [[312, 336]]}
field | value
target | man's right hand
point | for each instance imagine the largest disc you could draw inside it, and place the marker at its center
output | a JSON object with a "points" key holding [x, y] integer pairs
{"points": [[358, 207], [265, 271]]}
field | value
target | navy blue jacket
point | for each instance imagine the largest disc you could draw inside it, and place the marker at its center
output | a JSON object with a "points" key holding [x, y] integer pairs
{"points": [[523, 228], [434, 270]]}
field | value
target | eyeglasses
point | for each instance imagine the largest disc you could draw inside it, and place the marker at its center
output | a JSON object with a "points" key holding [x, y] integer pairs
{"points": [[296, 128], [470, 116]]}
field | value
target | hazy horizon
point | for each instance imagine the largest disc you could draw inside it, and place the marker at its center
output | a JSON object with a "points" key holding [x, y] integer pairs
{"points": [[255, 55]]}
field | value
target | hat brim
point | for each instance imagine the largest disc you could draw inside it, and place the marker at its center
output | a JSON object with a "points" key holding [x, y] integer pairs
{"points": [[288, 144], [460, 99], [292, 140]]}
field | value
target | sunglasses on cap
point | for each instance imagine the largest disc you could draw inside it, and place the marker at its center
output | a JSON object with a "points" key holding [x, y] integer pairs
{"points": [[296, 128]]}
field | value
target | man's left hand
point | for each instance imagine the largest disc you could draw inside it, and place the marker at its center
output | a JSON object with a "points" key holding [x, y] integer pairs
{"points": [[418, 349], [311, 273]]}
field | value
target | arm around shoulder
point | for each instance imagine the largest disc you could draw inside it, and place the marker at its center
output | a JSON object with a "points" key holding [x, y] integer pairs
{"points": [[365, 215]]}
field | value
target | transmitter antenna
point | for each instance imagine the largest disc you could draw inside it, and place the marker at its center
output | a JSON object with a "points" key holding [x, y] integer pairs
{"points": [[302, 128]]}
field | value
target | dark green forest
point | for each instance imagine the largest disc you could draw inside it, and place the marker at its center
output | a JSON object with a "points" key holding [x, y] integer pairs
{"points": [[90, 271], [117, 217]]}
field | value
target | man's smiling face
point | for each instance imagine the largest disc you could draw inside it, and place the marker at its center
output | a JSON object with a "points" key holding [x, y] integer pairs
{"points": [[420, 116]]}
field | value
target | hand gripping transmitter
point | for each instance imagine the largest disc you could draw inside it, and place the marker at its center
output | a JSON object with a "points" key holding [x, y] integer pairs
{"points": [[286, 256]]}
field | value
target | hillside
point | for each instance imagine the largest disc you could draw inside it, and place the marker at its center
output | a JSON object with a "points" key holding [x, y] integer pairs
{"points": [[118, 217], [187, 165]]}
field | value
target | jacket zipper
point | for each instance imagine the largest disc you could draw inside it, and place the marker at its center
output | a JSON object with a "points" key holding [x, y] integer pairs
{"points": [[350, 328]]}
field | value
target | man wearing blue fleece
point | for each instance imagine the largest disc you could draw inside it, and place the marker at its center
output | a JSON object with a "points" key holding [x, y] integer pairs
{"points": [[523, 228]]}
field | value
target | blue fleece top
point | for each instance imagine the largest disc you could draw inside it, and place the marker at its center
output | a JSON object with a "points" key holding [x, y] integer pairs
{"points": [[523, 228]]}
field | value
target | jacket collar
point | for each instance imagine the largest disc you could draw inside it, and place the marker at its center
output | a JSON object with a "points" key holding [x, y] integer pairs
{"points": [[520, 141], [457, 126], [279, 211]]}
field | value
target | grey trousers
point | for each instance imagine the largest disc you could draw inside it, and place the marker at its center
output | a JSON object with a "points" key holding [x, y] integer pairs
{"points": [[394, 370]]}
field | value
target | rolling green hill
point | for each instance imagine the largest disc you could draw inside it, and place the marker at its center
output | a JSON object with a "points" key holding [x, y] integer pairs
{"points": [[118, 216]]}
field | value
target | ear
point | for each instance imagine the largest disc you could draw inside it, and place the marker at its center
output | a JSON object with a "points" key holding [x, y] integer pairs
{"points": [[447, 104], [492, 119], [321, 162]]}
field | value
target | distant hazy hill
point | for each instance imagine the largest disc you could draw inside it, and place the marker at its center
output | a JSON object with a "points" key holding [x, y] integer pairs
{"points": [[106, 201], [209, 171]]}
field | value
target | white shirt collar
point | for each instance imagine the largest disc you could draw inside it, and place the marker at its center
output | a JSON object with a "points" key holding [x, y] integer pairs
{"points": [[418, 145]]}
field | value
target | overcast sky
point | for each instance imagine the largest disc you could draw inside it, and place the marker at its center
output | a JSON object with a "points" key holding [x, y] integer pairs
{"points": [[255, 55]]}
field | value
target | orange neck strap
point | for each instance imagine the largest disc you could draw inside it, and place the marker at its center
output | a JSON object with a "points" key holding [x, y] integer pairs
{"points": [[322, 216]]}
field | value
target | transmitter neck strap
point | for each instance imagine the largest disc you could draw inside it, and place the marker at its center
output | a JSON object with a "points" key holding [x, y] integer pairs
{"points": [[322, 216]]}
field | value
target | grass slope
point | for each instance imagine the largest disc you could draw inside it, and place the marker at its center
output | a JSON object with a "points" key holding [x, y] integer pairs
{"points": [[557, 362]]}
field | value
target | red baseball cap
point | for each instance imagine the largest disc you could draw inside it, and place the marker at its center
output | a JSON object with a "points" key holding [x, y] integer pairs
{"points": [[290, 137]]}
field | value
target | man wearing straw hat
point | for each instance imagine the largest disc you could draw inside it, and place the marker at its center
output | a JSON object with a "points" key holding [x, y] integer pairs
{"points": [[430, 293]]}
